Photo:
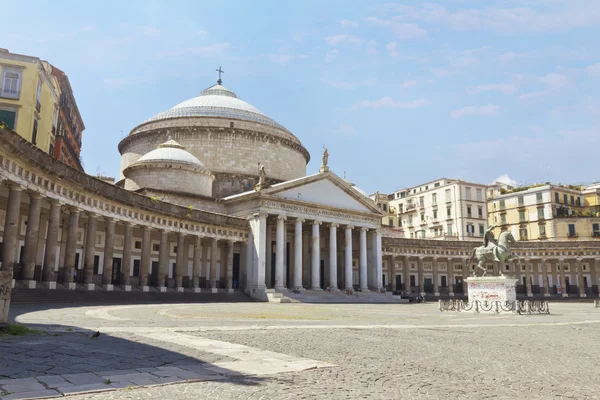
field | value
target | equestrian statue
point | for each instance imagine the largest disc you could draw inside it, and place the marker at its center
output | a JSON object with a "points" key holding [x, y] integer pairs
{"points": [[497, 250]]}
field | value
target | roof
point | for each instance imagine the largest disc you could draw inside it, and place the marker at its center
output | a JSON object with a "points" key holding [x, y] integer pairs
{"points": [[171, 152], [217, 101]]}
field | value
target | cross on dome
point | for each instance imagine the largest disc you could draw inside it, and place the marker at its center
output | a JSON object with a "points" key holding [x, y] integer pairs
{"points": [[220, 71]]}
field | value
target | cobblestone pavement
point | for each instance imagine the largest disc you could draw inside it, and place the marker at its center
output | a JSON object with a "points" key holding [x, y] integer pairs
{"points": [[364, 351]]}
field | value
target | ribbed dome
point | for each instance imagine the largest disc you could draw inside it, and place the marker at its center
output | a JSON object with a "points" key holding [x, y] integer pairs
{"points": [[359, 190], [171, 152], [217, 101]]}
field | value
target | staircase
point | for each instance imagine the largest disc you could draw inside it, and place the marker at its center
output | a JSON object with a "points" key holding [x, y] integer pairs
{"points": [[333, 297], [277, 297]]}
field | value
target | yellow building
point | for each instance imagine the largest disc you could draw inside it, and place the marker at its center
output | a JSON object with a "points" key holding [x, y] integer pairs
{"points": [[543, 212], [29, 98]]}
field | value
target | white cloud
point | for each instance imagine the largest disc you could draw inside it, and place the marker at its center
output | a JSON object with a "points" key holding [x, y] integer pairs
{"points": [[149, 31], [388, 102], [391, 49], [504, 88], [440, 72], [285, 58], [409, 83], [402, 30], [201, 51], [89, 28], [485, 111], [348, 24], [594, 70], [371, 47], [331, 55], [343, 39], [348, 85], [505, 179], [554, 81]]}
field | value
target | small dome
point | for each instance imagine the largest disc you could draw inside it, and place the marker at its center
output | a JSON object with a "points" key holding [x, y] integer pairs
{"points": [[170, 152], [217, 101], [359, 190]]}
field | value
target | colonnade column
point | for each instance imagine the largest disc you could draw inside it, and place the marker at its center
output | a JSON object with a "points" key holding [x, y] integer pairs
{"points": [[109, 244], [213, 264], [205, 267], [544, 266], [563, 281], [378, 260], [315, 281], [348, 256], [69, 268], [229, 280], [258, 224], [580, 284], [250, 258], [298, 253], [126, 270], [145, 258], [406, 272], [434, 266], [180, 261], [421, 277], [363, 260], [197, 263], [51, 242], [11, 229], [31, 237], [528, 278], [392, 273], [279, 252], [90, 246], [163, 261], [450, 269], [333, 256]]}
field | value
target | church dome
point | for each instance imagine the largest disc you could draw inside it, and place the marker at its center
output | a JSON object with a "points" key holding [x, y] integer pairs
{"points": [[170, 152], [359, 190], [217, 101]]}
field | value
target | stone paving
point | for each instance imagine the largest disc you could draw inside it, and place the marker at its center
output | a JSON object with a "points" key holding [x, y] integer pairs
{"points": [[295, 351]]}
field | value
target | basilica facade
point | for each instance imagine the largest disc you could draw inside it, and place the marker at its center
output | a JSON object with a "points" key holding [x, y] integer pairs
{"points": [[213, 196]]}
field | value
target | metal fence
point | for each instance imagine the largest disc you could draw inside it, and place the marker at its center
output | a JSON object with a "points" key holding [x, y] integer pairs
{"points": [[520, 307]]}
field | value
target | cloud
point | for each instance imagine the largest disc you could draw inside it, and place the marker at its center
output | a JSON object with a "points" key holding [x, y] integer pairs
{"points": [[504, 88], [371, 47], [410, 83], [331, 55], [149, 31], [388, 102], [594, 70], [200, 51], [391, 49], [505, 179], [348, 24], [348, 85], [485, 111], [89, 28], [285, 58], [554, 81], [402, 30], [440, 72], [343, 39]]}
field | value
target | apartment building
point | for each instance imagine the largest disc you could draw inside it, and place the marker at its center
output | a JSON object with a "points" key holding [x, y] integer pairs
{"points": [[444, 208], [543, 212]]}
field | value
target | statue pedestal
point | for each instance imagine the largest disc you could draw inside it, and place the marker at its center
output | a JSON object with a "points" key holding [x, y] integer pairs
{"points": [[485, 290]]}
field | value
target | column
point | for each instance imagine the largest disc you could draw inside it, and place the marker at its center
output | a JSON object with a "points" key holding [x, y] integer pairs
{"points": [[90, 246], [406, 272], [348, 256], [180, 262], [379, 260], [279, 252], [421, 276], [69, 268], [229, 280], [333, 256], [51, 242], [563, 281], [544, 266], [205, 267], [580, 278], [595, 273], [528, 278], [434, 266], [305, 259], [109, 245], [126, 270], [197, 263], [363, 260], [214, 249], [250, 251], [258, 224], [298, 253], [11, 229], [392, 273], [315, 283], [145, 258], [163, 261], [32, 236], [450, 270], [269, 256]]}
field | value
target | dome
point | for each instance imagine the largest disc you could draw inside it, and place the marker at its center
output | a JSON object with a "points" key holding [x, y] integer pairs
{"points": [[359, 190], [170, 152], [217, 101]]}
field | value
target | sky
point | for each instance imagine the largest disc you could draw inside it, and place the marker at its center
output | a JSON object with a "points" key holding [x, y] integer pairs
{"points": [[401, 93]]}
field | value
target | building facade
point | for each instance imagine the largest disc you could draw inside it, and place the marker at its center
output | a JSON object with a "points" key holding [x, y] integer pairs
{"points": [[441, 209], [544, 212], [69, 128], [29, 98]]}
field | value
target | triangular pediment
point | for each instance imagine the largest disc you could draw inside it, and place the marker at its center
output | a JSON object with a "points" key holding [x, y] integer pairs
{"points": [[323, 189]]}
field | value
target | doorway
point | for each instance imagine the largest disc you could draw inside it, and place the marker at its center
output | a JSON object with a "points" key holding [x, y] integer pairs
{"points": [[322, 274], [116, 271], [154, 274], [78, 272], [428, 285], [398, 282], [458, 283], [236, 270]]}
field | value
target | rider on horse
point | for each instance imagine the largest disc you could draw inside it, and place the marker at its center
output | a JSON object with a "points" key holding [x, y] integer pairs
{"points": [[489, 238]]}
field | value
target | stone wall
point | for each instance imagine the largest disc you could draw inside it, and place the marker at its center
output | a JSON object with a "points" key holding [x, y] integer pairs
{"points": [[169, 179]]}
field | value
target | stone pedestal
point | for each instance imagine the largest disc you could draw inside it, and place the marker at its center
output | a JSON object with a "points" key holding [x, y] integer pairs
{"points": [[197, 290], [180, 290], [499, 289], [89, 286], [5, 292], [230, 290], [214, 290], [145, 289], [162, 289], [127, 288], [109, 288], [31, 284], [72, 286], [51, 285]]}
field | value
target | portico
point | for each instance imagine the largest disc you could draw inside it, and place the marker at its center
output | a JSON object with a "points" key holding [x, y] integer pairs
{"points": [[313, 209]]}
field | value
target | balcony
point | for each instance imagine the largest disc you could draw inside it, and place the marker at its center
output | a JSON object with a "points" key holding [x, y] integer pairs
{"points": [[53, 130], [542, 236], [10, 94], [596, 234], [572, 235]]}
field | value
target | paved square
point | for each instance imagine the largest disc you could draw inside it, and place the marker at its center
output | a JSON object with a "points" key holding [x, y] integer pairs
{"points": [[295, 351]]}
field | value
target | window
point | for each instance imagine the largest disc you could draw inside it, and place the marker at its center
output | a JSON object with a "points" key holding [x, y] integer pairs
{"points": [[410, 220], [523, 233], [566, 199], [422, 201], [503, 218], [434, 199], [137, 244], [556, 197], [481, 230], [469, 211], [38, 95], [400, 208], [11, 80], [572, 232], [136, 267], [231, 124], [502, 204], [34, 133], [448, 211], [596, 230], [578, 202], [540, 213], [434, 214], [437, 184], [444, 281], [572, 200], [422, 217], [51, 149], [9, 118], [480, 212], [542, 230], [402, 195], [384, 207], [448, 198], [155, 246], [449, 229], [470, 229], [479, 195], [96, 265], [521, 201], [468, 193], [521, 216], [538, 197]]}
